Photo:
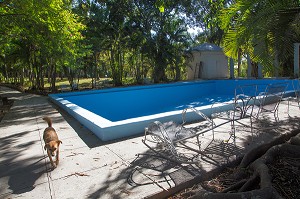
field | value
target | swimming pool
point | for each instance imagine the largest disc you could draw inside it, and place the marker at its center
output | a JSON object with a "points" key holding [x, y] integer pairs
{"points": [[121, 112]]}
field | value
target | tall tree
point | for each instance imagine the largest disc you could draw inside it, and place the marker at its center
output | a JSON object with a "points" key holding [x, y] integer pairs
{"points": [[47, 30], [135, 32]]}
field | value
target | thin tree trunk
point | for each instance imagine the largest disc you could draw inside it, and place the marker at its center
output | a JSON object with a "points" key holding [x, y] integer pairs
{"points": [[53, 77], [239, 62]]}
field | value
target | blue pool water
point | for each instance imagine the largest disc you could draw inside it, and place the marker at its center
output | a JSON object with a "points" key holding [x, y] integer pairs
{"points": [[121, 112]]}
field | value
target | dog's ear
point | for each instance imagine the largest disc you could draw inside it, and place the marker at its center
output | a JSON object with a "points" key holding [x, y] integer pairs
{"points": [[59, 142], [46, 146]]}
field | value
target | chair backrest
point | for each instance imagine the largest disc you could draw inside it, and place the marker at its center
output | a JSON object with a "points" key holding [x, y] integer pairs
{"points": [[195, 111], [296, 87], [244, 100], [272, 96], [163, 133]]}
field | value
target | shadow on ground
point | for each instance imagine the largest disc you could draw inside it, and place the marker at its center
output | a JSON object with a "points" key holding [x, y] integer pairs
{"points": [[166, 174], [19, 171], [21, 168]]}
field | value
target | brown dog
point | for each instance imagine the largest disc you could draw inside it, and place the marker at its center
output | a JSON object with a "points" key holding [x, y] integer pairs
{"points": [[51, 142]]}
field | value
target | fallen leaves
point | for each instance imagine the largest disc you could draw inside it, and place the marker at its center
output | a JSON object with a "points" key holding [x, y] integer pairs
{"points": [[76, 174], [74, 154]]}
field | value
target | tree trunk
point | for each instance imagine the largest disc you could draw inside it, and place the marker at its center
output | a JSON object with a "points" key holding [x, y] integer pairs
{"points": [[159, 69], [53, 77], [177, 69], [239, 62]]}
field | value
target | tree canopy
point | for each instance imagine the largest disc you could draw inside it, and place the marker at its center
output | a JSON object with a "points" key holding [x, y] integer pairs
{"points": [[140, 39], [38, 35]]}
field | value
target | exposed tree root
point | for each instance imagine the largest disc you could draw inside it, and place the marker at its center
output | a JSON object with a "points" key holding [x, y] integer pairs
{"points": [[257, 161], [237, 185], [262, 149], [249, 183], [295, 140]]}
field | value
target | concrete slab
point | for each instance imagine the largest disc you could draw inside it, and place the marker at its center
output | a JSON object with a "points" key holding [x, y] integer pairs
{"points": [[127, 149]]}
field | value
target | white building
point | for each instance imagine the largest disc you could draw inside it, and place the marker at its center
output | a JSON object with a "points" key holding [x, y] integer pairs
{"points": [[207, 61]]}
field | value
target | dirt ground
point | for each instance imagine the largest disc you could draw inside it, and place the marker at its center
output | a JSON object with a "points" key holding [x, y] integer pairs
{"points": [[285, 173]]}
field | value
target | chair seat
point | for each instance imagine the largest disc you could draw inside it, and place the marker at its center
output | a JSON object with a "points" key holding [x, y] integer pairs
{"points": [[174, 131]]}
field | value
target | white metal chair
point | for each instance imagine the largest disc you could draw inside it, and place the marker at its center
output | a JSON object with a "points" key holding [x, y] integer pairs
{"points": [[252, 104], [168, 137], [296, 97], [240, 111], [269, 100], [65, 88]]}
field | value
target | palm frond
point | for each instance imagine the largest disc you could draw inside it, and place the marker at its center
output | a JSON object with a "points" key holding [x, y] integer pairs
{"points": [[266, 30]]}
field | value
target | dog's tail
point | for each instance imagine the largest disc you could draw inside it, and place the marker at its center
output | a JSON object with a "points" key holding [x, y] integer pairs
{"points": [[48, 120]]}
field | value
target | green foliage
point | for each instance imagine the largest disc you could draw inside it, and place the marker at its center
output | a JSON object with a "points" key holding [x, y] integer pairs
{"points": [[135, 39], [266, 30], [40, 34], [130, 40]]}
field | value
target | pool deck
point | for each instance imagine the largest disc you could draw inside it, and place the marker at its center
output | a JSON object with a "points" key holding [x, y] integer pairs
{"points": [[90, 168]]}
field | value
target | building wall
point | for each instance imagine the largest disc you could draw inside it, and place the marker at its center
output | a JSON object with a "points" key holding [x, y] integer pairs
{"points": [[208, 65]]}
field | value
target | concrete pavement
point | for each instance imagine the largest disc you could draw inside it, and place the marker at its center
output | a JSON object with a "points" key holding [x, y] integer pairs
{"points": [[89, 168]]}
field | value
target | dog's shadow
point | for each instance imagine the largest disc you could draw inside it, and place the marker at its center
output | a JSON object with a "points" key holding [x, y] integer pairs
{"points": [[28, 177]]}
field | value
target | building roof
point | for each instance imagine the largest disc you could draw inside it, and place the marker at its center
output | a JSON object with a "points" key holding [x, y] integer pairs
{"points": [[207, 47]]}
